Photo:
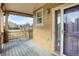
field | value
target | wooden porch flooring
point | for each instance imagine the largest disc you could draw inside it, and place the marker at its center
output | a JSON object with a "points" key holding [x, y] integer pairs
{"points": [[23, 48]]}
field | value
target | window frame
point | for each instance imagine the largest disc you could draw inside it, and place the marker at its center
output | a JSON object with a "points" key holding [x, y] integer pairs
{"points": [[39, 24]]}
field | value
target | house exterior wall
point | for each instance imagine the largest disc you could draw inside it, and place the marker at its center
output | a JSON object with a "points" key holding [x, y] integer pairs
{"points": [[42, 35]]}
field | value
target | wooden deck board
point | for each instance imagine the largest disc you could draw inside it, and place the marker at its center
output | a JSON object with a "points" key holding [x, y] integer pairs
{"points": [[23, 48]]}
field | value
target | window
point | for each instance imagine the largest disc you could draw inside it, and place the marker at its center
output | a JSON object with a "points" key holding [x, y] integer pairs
{"points": [[39, 17]]}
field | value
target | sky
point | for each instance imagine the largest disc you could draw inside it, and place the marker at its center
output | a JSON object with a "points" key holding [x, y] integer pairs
{"points": [[72, 16], [20, 19]]}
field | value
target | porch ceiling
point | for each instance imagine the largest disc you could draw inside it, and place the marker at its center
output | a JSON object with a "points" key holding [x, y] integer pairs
{"points": [[23, 7], [28, 8]]}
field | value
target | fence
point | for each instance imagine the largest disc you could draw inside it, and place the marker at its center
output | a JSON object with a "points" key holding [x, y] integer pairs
{"points": [[12, 34]]}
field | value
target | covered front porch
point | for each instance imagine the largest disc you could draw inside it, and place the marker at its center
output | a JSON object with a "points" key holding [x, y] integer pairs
{"points": [[23, 47], [42, 42]]}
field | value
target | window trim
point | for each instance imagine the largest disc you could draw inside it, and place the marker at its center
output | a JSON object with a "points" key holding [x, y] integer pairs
{"points": [[39, 24]]}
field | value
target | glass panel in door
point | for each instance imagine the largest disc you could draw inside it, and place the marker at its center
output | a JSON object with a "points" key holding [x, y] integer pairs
{"points": [[58, 30], [71, 31]]}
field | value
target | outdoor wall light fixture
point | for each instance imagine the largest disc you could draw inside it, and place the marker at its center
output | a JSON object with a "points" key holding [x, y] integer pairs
{"points": [[48, 11]]}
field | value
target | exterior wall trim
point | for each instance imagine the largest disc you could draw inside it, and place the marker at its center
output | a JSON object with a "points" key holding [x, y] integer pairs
{"points": [[41, 16]]}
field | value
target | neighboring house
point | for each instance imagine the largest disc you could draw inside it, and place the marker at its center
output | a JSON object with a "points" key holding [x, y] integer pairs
{"points": [[12, 26], [28, 30], [55, 26]]}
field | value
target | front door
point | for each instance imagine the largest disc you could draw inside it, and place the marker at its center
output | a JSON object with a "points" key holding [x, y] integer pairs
{"points": [[71, 31]]}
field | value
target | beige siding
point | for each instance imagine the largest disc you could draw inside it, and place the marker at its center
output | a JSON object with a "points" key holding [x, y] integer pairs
{"points": [[42, 35]]}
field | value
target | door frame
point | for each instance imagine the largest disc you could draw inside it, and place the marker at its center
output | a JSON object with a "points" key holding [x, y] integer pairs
{"points": [[61, 7]]}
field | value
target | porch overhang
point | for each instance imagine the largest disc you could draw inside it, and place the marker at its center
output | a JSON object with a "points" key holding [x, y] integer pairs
{"points": [[25, 9]]}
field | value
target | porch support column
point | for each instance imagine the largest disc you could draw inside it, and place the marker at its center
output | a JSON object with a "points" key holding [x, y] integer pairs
{"points": [[6, 28], [1, 29]]}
